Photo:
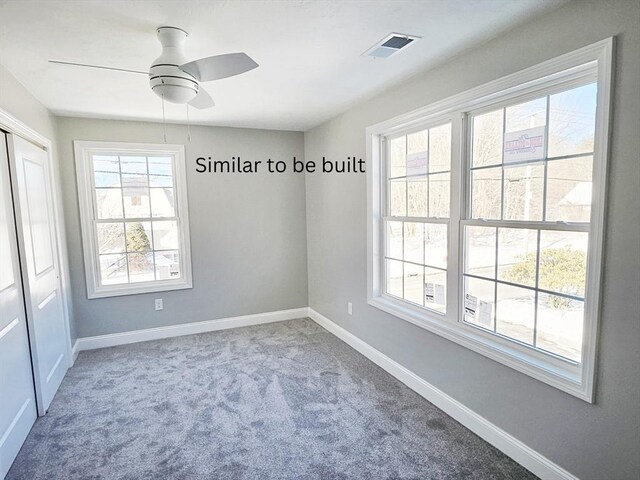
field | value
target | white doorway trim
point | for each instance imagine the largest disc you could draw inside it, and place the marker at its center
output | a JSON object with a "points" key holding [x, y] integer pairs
{"points": [[13, 125]]}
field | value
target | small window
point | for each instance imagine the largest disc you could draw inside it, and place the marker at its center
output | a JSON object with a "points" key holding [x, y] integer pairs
{"points": [[134, 216]]}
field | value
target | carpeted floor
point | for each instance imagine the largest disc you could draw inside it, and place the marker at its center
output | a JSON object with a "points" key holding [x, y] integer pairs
{"points": [[279, 401]]}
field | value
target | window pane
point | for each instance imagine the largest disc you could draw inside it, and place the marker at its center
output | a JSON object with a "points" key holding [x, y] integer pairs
{"points": [[160, 166], [439, 195], [398, 160], [167, 265], [398, 198], [113, 269], [165, 235], [559, 326], [109, 203], [107, 179], [515, 312], [487, 138], [525, 131], [394, 278], [413, 283], [517, 255], [435, 245], [130, 164], [106, 163], [486, 195], [440, 148], [481, 251], [563, 262], [569, 189], [478, 302], [162, 202], [110, 237], [572, 118], [134, 180], [526, 115], [418, 197], [413, 242], [435, 289], [523, 192], [141, 267], [394, 240], [418, 142], [160, 181], [138, 235], [418, 153], [136, 202]]}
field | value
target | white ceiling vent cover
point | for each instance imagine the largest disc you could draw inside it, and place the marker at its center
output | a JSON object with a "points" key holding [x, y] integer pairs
{"points": [[390, 45]]}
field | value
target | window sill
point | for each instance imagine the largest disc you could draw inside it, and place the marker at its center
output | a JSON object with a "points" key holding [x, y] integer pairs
{"points": [[135, 289], [562, 374]]}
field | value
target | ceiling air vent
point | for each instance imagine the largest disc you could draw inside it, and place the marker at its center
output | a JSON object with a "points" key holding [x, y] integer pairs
{"points": [[390, 45]]}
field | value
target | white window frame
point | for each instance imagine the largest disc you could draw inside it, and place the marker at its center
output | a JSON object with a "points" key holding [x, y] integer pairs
{"points": [[577, 379], [86, 186]]}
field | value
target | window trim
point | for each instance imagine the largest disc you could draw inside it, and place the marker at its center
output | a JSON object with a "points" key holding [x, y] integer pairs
{"points": [[83, 151], [571, 377]]}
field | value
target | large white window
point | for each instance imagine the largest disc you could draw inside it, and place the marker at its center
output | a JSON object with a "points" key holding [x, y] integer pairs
{"points": [[134, 215], [487, 217]]}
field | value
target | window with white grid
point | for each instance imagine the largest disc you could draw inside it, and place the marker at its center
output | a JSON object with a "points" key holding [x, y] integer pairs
{"points": [[134, 217], [486, 217], [529, 209], [416, 224]]}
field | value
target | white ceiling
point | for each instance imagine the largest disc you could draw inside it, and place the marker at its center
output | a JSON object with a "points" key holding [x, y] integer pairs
{"points": [[309, 52]]}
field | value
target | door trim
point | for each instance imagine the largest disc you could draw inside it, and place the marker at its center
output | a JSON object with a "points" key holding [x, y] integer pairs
{"points": [[16, 127]]}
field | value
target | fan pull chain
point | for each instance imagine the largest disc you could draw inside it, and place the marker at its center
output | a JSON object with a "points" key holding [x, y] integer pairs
{"points": [[164, 122], [188, 124]]}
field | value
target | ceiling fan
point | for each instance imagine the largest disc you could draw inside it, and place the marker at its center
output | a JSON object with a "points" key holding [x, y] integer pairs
{"points": [[174, 79]]}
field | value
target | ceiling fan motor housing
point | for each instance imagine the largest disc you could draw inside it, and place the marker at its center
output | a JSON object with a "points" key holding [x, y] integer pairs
{"points": [[165, 77]]}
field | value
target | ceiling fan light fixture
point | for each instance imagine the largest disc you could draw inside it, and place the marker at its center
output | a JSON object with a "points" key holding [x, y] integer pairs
{"points": [[165, 77], [175, 93], [174, 79]]}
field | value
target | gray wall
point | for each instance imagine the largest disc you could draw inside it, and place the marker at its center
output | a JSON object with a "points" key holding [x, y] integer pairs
{"points": [[248, 233], [598, 441], [17, 101]]}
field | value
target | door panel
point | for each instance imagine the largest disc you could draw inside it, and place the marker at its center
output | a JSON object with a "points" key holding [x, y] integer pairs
{"points": [[17, 395], [39, 227], [31, 177]]}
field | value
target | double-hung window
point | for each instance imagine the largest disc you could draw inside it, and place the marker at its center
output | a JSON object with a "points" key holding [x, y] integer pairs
{"points": [[417, 220], [134, 217], [526, 227], [486, 217]]}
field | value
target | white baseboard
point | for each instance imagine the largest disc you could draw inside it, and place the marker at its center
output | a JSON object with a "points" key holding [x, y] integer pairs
{"points": [[75, 350], [509, 445], [135, 336]]}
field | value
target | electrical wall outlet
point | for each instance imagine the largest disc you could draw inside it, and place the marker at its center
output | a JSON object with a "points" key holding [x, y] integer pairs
{"points": [[350, 308], [159, 305]]}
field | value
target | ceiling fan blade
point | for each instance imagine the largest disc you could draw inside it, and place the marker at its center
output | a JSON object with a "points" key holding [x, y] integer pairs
{"points": [[202, 100], [97, 66], [219, 66]]}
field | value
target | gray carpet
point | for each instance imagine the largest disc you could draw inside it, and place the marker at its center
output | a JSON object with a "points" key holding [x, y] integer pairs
{"points": [[278, 401]]}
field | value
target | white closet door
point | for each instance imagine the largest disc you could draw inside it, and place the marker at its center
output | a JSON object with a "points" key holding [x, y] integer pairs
{"points": [[17, 396], [33, 197]]}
